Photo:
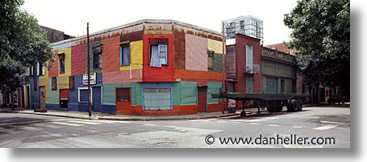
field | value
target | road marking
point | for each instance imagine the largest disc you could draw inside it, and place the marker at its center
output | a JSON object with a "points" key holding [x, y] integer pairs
{"points": [[27, 128], [325, 127], [254, 123], [47, 125], [273, 125], [298, 127], [68, 124], [83, 122], [330, 122]]}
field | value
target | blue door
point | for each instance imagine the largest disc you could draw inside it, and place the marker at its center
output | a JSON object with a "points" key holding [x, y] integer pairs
{"points": [[96, 99], [271, 85]]}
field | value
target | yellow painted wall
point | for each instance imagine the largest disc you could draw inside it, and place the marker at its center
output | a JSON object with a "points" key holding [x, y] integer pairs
{"points": [[43, 81], [215, 46], [136, 54], [64, 78]]}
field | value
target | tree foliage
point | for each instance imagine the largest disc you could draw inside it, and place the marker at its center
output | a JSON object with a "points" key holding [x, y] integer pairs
{"points": [[321, 40], [22, 43]]}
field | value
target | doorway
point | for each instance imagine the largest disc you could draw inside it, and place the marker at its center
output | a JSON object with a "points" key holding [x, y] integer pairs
{"points": [[202, 91]]}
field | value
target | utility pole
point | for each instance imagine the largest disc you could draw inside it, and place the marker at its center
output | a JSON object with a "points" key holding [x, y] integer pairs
{"points": [[89, 104], [223, 66]]}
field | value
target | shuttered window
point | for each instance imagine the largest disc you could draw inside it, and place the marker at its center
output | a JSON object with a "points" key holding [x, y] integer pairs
{"points": [[249, 57], [71, 82], [157, 98], [249, 84], [62, 63], [54, 83], [83, 95], [210, 59], [123, 95]]}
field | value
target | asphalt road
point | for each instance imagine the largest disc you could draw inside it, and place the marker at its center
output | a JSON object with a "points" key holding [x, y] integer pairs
{"points": [[36, 131]]}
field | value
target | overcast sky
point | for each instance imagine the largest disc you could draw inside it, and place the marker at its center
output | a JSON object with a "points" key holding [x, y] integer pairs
{"points": [[71, 16]]}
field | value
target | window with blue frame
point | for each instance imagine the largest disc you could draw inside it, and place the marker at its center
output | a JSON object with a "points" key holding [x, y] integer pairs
{"points": [[157, 98], [158, 55], [249, 58], [83, 95], [124, 55], [97, 62]]}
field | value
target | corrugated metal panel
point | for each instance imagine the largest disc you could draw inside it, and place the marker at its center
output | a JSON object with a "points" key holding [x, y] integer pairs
{"points": [[97, 107], [64, 93], [196, 53], [179, 43], [189, 93], [92, 70], [156, 26], [136, 56], [77, 60], [192, 30], [53, 96], [67, 52], [63, 82], [134, 36], [249, 84], [122, 76], [213, 88], [157, 98], [157, 32], [216, 46], [231, 62], [190, 75], [110, 57], [61, 45], [54, 70], [176, 93], [218, 63], [109, 93]]}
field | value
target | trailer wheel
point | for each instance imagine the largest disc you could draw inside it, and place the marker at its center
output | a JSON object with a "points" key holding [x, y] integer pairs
{"points": [[292, 105], [300, 105], [243, 114]]}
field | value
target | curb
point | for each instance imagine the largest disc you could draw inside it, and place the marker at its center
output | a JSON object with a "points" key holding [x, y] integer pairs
{"points": [[131, 119]]}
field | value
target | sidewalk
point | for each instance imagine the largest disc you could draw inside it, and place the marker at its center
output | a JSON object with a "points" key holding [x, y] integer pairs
{"points": [[104, 116]]}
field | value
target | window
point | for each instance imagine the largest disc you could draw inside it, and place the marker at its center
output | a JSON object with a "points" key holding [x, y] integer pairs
{"points": [[249, 58], [157, 98], [31, 71], [62, 63], [42, 69], [158, 55], [97, 61], [35, 84], [38, 69], [71, 82], [124, 55], [27, 71], [249, 84], [210, 59], [83, 95], [54, 84], [123, 95]]}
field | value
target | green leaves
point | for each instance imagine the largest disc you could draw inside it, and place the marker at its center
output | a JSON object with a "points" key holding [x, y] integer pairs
{"points": [[22, 43], [321, 40]]}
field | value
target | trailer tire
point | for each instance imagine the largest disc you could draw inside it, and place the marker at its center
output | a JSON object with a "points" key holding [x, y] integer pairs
{"points": [[300, 105], [292, 105], [243, 114]]}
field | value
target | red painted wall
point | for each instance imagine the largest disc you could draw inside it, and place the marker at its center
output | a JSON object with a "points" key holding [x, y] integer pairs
{"points": [[78, 60], [241, 41], [53, 71], [153, 74], [176, 110], [110, 54]]}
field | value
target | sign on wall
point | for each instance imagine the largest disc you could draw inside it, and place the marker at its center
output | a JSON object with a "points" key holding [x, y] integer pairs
{"points": [[93, 78]]}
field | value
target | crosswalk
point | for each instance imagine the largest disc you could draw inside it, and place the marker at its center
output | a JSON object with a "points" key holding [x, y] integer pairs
{"points": [[18, 127]]}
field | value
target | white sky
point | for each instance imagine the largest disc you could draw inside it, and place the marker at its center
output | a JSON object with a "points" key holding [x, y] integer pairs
{"points": [[71, 16]]}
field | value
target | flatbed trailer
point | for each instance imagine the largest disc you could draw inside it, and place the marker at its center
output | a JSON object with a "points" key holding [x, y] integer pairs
{"points": [[273, 102]]}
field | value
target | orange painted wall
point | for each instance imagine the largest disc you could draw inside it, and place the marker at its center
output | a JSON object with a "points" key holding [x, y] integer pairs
{"points": [[202, 77], [110, 54]]}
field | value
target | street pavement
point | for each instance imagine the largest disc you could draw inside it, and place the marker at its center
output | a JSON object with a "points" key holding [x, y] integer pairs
{"points": [[18, 130]]}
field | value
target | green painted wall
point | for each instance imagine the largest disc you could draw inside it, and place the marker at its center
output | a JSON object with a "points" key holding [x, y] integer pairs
{"points": [[189, 92], [213, 88], [53, 95], [92, 70], [176, 88], [109, 93], [217, 63]]}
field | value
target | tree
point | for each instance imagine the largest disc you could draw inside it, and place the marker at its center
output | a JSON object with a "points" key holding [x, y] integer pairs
{"points": [[22, 44], [321, 40]]}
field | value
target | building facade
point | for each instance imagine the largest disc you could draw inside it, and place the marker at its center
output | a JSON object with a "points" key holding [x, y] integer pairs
{"points": [[243, 65], [247, 25], [148, 67], [279, 71]]}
